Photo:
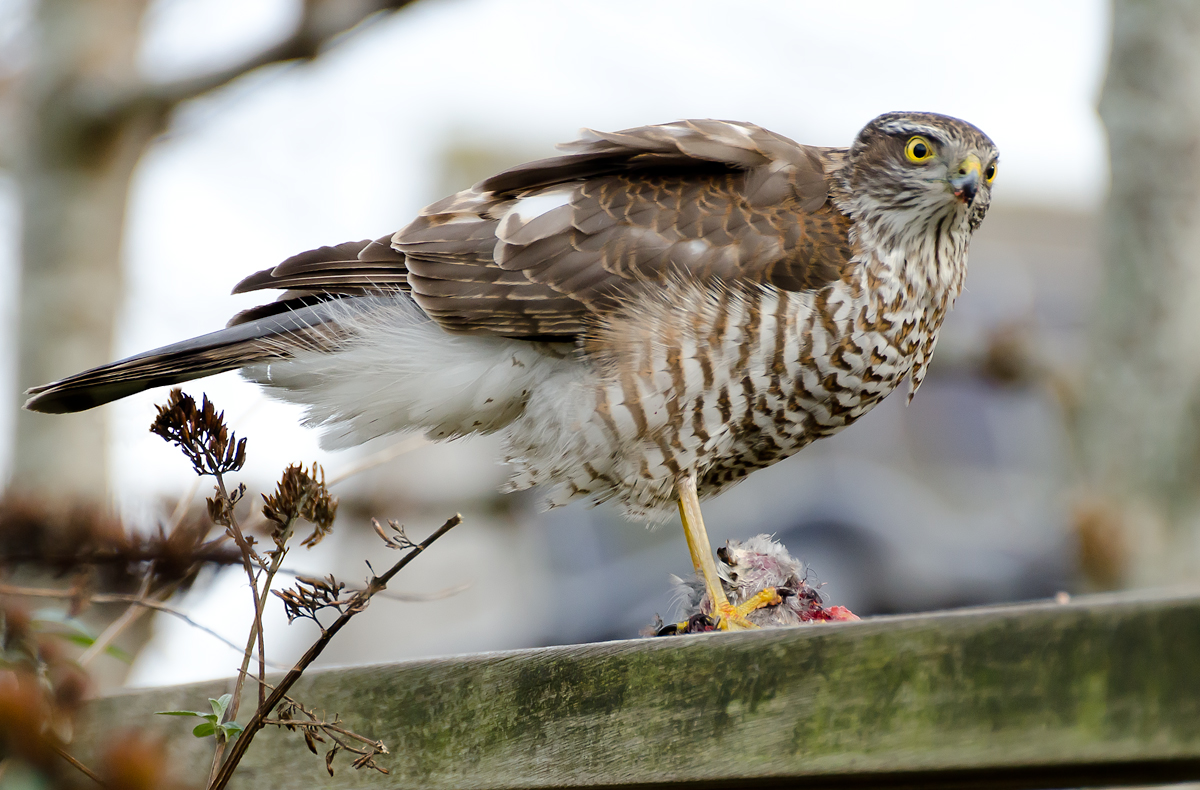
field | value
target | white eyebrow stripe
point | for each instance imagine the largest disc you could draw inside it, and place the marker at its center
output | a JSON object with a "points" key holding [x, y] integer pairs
{"points": [[908, 127]]}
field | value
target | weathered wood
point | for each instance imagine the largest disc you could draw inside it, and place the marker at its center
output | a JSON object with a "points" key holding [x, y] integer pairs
{"points": [[1098, 692]]}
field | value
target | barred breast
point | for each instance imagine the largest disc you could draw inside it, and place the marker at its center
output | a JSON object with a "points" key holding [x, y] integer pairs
{"points": [[722, 381]]}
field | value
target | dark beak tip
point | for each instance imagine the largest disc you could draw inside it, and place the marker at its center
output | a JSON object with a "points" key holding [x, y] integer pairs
{"points": [[966, 189]]}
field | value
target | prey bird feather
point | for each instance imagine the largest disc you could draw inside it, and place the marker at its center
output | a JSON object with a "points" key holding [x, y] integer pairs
{"points": [[646, 318]]}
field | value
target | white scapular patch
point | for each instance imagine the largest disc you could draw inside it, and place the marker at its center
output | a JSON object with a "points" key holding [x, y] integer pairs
{"points": [[536, 205], [393, 369], [535, 217]]}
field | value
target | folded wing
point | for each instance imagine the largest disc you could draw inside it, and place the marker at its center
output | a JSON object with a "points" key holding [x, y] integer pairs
{"points": [[541, 250]]}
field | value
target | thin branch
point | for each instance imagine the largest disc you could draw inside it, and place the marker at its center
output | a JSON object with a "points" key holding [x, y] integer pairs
{"points": [[315, 728], [181, 507], [322, 22], [149, 603], [437, 595], [256, 628], [88, 772], [255, 724], [276, 561], [116, 627], [324, 725], [313, 722], [406, 597]]}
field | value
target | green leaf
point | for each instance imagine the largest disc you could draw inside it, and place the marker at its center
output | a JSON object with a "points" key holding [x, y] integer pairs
{"points": [[219, 705], [76, 639], [74, 632], [87, 641], [204, 729], [231, 730], [179, 713]]}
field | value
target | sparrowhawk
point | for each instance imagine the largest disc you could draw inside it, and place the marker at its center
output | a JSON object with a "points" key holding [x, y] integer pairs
{"points": [[647, 318]]}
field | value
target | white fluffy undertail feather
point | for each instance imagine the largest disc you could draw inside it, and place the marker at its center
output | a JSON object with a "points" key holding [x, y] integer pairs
{"points": [[393, 369], [544, 444]]}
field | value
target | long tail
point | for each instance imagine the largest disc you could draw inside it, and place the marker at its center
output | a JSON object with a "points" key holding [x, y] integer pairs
{"points": [[227, 349]]}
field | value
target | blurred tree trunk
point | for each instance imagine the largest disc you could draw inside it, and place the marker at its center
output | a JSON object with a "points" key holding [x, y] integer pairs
{"points": [[1140, 414], [86, 119], [73, 174]]}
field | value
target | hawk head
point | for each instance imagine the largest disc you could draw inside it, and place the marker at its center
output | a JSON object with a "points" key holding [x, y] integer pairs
{"points": [[919, 169]]}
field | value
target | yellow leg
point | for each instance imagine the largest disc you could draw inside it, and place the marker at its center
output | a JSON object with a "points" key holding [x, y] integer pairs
{"points": [[728, 617]]}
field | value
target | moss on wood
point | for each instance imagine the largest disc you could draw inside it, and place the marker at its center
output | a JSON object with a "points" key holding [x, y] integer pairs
{"points": [[1102, 689]]}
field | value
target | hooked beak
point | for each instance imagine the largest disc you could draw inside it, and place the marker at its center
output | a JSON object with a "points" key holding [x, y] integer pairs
{"points": [[965, 182]]}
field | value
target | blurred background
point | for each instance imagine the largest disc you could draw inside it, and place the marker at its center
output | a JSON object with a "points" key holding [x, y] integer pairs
{"points": [[154, 152]]}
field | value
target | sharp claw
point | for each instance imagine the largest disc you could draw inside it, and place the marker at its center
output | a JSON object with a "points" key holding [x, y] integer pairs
{"points": [[696, 624]]}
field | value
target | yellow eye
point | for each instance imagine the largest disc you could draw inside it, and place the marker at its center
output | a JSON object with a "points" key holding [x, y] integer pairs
{"points": [[990, 172], [918, 149]]}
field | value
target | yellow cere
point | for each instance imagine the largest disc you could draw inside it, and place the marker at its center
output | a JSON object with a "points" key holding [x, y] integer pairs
{"points": [[918, 149]]}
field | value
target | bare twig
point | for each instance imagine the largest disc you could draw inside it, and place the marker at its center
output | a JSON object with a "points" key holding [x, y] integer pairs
{"points": [[397, 539], [314, 726], [88, 772], [256, 628], [407, 597], [276, 561], [116, 627], [148, 603], [325, 725], [374, 585], [181, 507], [437, 595], [322, 22], [311, 595]]}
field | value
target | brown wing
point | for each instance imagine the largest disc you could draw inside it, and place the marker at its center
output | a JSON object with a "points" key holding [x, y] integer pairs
{"points": [[352, 268], [537, 251]]}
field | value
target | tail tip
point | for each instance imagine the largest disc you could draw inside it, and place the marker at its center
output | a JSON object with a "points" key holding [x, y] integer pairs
{"points": [[49, 399]]}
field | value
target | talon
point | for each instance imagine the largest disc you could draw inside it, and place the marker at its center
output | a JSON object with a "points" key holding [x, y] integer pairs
{"points": [[696, 624]]}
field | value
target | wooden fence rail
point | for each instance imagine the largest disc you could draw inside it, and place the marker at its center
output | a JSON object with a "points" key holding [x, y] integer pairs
{"points": [[1099, 691]]}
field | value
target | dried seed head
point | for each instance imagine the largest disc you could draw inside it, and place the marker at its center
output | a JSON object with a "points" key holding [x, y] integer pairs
{"points": [[397, 540], [329, 755], [300, 493], [200, 433], [311, 595]]}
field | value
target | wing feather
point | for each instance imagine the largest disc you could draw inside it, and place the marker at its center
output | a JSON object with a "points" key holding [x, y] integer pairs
{"points": [[541, 250]]}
